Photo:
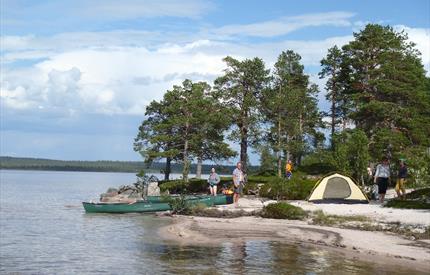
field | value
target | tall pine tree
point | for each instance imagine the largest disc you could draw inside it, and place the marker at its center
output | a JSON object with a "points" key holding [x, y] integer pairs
{"points": [[388, 88], [240, 90]]}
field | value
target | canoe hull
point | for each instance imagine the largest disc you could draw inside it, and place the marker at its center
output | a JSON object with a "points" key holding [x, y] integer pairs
{"points": [[216, 200], [125, 207], [153, 204]]}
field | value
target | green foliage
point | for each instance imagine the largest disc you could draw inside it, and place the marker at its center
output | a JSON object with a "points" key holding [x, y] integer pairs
{"points": [[351, 153], [202, 210], [386, 83], [290, 108], [332, 70], [267, 162], [240, 89], [418, 199], [283, 210], [186, 124], [418, 162], [318, 217], [297, 188], [180, 205], [318, 163], [408, 204]]}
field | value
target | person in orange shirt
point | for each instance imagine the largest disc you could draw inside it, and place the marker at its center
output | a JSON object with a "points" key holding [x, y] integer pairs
{"points": [[289, 169]]}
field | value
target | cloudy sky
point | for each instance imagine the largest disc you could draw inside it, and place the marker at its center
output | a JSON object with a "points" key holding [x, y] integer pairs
{"points": [[76, 75]]}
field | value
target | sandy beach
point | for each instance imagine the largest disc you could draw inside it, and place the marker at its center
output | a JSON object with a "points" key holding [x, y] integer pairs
{"points": [[367, 245]]}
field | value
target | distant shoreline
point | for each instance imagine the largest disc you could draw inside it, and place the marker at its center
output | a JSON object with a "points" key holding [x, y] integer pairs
{"points": [[39, 164]]}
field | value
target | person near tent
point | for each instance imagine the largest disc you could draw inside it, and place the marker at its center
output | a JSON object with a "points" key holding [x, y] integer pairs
{"points": [[382, 178], [289, 169], [213, 181], [238, 182], [401, 180]]}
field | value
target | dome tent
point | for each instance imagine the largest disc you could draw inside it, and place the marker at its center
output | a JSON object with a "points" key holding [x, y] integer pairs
{"points": [[337, 188]]}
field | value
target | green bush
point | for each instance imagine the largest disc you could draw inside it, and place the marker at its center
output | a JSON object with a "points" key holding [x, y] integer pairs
{"points": [[201, 185], [180, 205], [193, 186], [297, 188], [283, 210]]}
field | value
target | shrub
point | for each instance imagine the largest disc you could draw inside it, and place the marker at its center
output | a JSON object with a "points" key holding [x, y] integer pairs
{"points": [[297, 188], [181, 187], [283, 210], [201, 185], [180, 205]]}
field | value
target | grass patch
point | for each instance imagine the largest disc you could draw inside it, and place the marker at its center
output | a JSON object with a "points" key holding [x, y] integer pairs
{"points": [[320, 218], [202, 210], [359, 222], [418, 199], [407, 204], [283, 210]]}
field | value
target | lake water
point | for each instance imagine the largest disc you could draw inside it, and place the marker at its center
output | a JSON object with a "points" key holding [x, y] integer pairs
{"points": [[44, 230]]}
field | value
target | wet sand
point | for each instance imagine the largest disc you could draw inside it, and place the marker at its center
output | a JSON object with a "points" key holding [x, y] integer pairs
{"points": [[380, 247]]}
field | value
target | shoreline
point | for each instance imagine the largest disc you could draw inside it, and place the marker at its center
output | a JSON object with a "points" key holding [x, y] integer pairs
{"points": [[379, 247]]}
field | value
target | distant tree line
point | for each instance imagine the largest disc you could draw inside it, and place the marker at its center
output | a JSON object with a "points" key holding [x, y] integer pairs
{"points": [[379, 106], [97, 166]]}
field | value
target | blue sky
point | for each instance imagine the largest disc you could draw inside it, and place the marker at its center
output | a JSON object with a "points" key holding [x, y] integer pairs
{"points": [[76, 75]]}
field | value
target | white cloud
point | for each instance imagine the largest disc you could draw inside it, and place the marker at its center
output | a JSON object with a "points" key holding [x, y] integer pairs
{"points": [[286, 25], [108, 73]]}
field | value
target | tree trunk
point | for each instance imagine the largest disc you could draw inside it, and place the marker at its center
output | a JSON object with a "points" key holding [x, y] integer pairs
{"points": [[199, 168], [299, 156], [279, 148], [244, 147], [333, 119], [333, 109], [167, 168], [186, 168]]}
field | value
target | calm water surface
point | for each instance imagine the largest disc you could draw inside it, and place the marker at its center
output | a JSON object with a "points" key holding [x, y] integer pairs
{"points": [[44, 230]]}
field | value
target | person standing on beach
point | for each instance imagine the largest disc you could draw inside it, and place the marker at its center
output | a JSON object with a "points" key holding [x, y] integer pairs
{"points": [[382, 177], [401, 179], [238, 181], [213, 181], [289, 169]]}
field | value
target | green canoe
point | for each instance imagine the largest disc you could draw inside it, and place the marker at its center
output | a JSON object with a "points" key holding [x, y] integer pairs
{"points": [[152, 204], [216, 200]]}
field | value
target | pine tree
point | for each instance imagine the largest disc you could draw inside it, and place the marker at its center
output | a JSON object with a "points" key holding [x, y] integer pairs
{"points": [[332, 70], [156, 136], [291, 109], [186, 124], [240, 89], [388, 89]]}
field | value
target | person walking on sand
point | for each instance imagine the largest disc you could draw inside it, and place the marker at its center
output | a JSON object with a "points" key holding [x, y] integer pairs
{"points": [[238, 181], [213, 181], [289, 169], [401, 179], [382, 177]]}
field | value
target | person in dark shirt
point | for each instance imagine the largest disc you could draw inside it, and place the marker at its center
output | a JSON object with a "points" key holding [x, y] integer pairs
{"points": [[401, 180]]}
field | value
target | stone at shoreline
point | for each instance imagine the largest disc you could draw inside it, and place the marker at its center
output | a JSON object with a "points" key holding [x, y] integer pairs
{"points": [[153, 189]]}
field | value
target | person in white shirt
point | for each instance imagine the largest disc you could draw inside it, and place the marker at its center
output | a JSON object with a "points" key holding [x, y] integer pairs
{"points": [[382, 178], [238, 181]]}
